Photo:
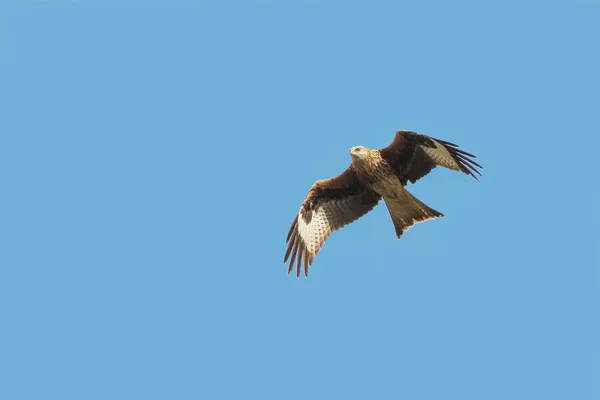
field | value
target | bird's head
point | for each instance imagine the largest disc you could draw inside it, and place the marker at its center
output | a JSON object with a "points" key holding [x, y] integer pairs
{"points": [[359, 152]]}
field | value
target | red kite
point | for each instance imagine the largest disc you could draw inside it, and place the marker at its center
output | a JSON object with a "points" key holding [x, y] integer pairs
{"points": [[333, 203]]}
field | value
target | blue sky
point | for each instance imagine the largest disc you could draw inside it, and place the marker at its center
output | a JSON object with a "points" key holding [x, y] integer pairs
{"points": [[153, 156]]}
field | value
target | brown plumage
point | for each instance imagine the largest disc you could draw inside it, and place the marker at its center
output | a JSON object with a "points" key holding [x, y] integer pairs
{"points": [[412, 156], [373, 174]]}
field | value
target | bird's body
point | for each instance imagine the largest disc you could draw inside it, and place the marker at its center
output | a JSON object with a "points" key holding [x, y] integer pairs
{"points": [[375, 172], [373, 175]]}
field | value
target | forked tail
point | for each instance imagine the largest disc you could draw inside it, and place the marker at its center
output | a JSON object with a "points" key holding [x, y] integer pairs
{"points": [[406, 210]]}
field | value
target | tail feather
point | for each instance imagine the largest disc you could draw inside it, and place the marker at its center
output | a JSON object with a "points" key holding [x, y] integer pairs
{"points": [[406, 210]]}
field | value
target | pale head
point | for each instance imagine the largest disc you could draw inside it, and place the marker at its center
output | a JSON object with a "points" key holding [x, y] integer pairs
{"points": [[359, 153]]}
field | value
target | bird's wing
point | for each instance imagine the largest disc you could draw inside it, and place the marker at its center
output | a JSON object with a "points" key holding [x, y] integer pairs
{"points": [[413, 156], [329, 205]]}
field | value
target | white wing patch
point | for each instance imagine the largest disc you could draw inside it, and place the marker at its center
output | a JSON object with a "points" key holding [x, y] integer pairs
{"points": [[441, 156], [306, 238], [316, 232]]}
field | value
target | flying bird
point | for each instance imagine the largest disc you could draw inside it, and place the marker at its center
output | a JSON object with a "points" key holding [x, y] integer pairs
{"points": [[372, 175]]}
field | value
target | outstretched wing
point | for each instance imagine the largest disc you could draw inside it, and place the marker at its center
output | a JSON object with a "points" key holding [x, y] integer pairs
{"points": [[413, 156], [329, 205]]}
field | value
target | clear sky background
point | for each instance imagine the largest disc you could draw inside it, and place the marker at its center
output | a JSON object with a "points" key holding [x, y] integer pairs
{"points": [[154, 154]]}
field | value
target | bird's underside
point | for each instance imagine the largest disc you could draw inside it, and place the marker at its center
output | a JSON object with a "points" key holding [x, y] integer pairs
{"points": [[373, 174]]}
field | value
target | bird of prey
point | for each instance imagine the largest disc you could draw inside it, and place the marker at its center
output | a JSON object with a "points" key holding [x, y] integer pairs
{"points": [[372, 175]]}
